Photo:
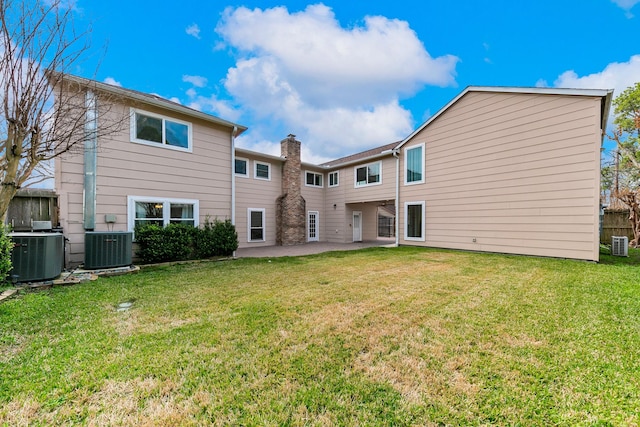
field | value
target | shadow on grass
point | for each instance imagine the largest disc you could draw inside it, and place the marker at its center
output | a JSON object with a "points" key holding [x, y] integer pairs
{"points": [[608, 259]]}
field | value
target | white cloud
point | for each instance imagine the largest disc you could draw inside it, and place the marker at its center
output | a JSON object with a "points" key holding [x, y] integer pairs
{"points": [[211, 104], [542, 83], [337, 88], [627, 5], [113, 82], [197, 81], [617, 75], [193, 30]]}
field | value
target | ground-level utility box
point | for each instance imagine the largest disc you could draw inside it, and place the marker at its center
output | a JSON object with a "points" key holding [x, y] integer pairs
{"points": [[36, 256], [107, 249]]}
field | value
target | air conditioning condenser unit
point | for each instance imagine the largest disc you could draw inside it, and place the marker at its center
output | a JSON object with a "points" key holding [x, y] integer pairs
{"points": [[620, 246], [36, 256], [107, 249]]}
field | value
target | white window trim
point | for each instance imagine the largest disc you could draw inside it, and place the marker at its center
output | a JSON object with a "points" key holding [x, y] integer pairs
{"points": [[133, 138], [406, 150], [166, 213], [264, 225], [255, 170], [337, 173], [242, 175], [355, 175], [314, 180], [406, 222]]}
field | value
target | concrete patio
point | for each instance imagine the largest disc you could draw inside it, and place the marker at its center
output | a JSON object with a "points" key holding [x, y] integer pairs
{"points": [[309, 248]]}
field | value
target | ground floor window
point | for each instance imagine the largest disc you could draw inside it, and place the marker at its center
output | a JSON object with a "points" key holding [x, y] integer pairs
{"points": [[161, 211], [256, 229], [414, 221]]}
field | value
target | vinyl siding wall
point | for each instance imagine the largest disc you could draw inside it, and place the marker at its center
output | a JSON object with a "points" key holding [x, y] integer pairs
{"points": [[519, 173], [349, 198], [315, 200], [257, 194], [125, 168], [336, 224]]}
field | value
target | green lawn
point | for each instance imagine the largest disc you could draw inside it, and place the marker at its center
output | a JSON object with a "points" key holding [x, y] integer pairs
{"points": [[400, 336]]}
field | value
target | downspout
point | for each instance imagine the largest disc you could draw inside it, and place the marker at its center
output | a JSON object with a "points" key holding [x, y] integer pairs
{"points": [[233, 178], [395, 154], [90, 161]]}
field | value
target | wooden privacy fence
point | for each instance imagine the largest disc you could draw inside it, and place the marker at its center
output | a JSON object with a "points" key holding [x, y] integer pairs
{"points": [[32, 205], [615, 223]]}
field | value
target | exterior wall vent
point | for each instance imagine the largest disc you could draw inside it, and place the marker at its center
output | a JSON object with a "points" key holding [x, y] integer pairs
{"points": [[620, 246], [107, 249], [36, 256]]}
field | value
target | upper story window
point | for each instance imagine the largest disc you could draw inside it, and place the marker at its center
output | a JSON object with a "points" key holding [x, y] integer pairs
{"points": [[333, 179], [370, 174], [242, 167], [313, 179], [153, 129], [414, 164], [262, 170]]}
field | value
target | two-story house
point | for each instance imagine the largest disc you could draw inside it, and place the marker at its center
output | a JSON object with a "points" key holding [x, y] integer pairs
{"points": [[512, 170]]}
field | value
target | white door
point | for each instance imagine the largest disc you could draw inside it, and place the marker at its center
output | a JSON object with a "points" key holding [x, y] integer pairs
{"points": [[312, 226], [357, 226]]}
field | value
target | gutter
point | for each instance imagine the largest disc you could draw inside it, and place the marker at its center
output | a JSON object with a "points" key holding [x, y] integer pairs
{"points": [[358, 161], [233, 175], [234, 131], [395, 153]]}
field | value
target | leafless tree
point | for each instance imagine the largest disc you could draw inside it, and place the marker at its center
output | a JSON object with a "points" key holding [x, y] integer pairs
{"points": [[44, 112]]}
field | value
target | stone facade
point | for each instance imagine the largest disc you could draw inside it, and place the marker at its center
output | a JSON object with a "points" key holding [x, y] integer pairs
{"points": [[291, 206]]}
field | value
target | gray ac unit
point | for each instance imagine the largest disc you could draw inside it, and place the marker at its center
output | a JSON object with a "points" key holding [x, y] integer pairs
{"points": [[104, 249], [620, 246], [36, 256]]}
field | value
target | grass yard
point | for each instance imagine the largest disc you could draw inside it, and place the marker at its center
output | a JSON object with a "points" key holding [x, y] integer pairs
{"points": [[400, 336]]}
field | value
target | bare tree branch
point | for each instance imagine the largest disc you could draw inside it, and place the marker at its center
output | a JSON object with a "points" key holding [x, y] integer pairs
{"points": [[43, 111]]}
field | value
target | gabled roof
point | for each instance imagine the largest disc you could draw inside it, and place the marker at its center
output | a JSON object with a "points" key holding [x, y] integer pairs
{"points": [[371, 154], [604, 94], [153, 100]]}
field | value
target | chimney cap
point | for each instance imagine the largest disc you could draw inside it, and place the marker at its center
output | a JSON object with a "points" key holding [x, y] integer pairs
{"points": [[291, 136]]}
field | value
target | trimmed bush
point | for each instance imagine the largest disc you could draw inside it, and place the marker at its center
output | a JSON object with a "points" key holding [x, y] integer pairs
{"points": [[151, 248], [178, 242], [6, 246], [225, 237]]}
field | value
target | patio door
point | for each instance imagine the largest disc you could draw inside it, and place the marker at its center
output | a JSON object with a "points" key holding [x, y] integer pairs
{"points": [[357, 226], [312, 226]]}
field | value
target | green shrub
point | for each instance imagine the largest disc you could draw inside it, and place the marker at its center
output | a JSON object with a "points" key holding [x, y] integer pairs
{"points": [[204, 240], [151, 248], [225, 237], [177, 242], [217, 238], [6, 246]]}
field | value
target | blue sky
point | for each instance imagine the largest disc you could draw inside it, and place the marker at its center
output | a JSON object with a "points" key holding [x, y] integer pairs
{"points": [[348, 76]]}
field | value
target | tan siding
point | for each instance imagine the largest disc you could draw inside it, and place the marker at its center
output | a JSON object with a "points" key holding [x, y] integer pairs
{"points": [[126, 168], [258, 194], [336, 224], [315, 201], [515, 172], [368, 193]]}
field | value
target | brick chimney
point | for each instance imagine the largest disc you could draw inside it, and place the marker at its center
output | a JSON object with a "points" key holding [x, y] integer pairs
{"points": [[291, 206]]}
